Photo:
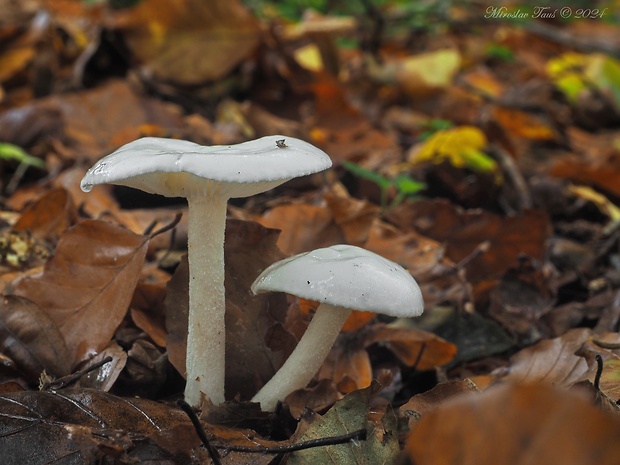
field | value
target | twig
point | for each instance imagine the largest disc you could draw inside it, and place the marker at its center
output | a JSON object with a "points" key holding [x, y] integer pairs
{"points": [[163, 229], [72, 378], [213, 453], [480, 249], [512, 171], [599, 372], [419, 356], [359, 435], [567, 39], [373, 41]]}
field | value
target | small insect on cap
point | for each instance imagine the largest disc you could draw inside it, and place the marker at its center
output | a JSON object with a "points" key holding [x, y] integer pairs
{"points": [[179, 168]]}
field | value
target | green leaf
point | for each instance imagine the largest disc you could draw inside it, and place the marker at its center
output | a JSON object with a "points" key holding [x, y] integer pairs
{"points": [[500, 52], [15, 153], [478, 161], [364, 173], [408, 186], [346, 416], [573, 73]]}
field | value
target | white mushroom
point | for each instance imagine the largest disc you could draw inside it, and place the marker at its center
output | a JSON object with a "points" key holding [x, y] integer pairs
{"points": [[207, 177], [342, 278]]}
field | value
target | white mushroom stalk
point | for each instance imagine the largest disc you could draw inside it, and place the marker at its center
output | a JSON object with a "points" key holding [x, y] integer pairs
{"points": [[208, 177], [342, 278]]}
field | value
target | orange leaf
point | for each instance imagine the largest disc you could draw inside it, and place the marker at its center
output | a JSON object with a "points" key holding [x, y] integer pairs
{"points": [[536, 424], [522, 124], [348, 367], [49, 215], [356, 320], [304, 227], [414, 347]]}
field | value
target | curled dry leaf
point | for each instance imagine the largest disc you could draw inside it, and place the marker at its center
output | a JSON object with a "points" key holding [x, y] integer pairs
{"points": [[31, 339], [88, 284], [49, 215], [104, 377], [538, 424], [423, 403]]}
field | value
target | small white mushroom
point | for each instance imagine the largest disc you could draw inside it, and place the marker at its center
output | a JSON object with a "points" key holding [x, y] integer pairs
{"points": [[207, 177], [342, 278]]}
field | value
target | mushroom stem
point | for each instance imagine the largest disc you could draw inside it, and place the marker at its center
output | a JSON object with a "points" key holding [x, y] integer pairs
{"points": [[306, 359], [206, 328]]}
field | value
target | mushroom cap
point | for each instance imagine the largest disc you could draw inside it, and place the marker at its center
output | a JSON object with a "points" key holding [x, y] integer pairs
{"points": [[179, 168], [345, 276]]}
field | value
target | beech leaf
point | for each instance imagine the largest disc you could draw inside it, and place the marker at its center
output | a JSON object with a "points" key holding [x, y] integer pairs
{"points": [[87, 286], [31, 339]]}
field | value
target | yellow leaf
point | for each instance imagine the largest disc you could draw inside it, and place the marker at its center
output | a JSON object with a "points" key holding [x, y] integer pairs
{"points": [[427, 72], [14, 60], [602, 203], [450, 144], [573, 73], [309, 57]]}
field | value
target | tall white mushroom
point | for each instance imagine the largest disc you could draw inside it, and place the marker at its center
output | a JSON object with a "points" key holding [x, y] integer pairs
{"points": [[207, 177], [342, 278]]}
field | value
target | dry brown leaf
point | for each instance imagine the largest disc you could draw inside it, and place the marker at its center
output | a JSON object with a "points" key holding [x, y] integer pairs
{"points": [[354, 217], [421, 404], [315, 398], [603, 172], [86, 121], [424, 258], [521, 298], [516, 424], [88, 284], [552, 361], [49, 215], [190, 41], [103, 378], [347, 365], [464, 231], [304, 227], [345, 133], [32, 339], [414, 347]]}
